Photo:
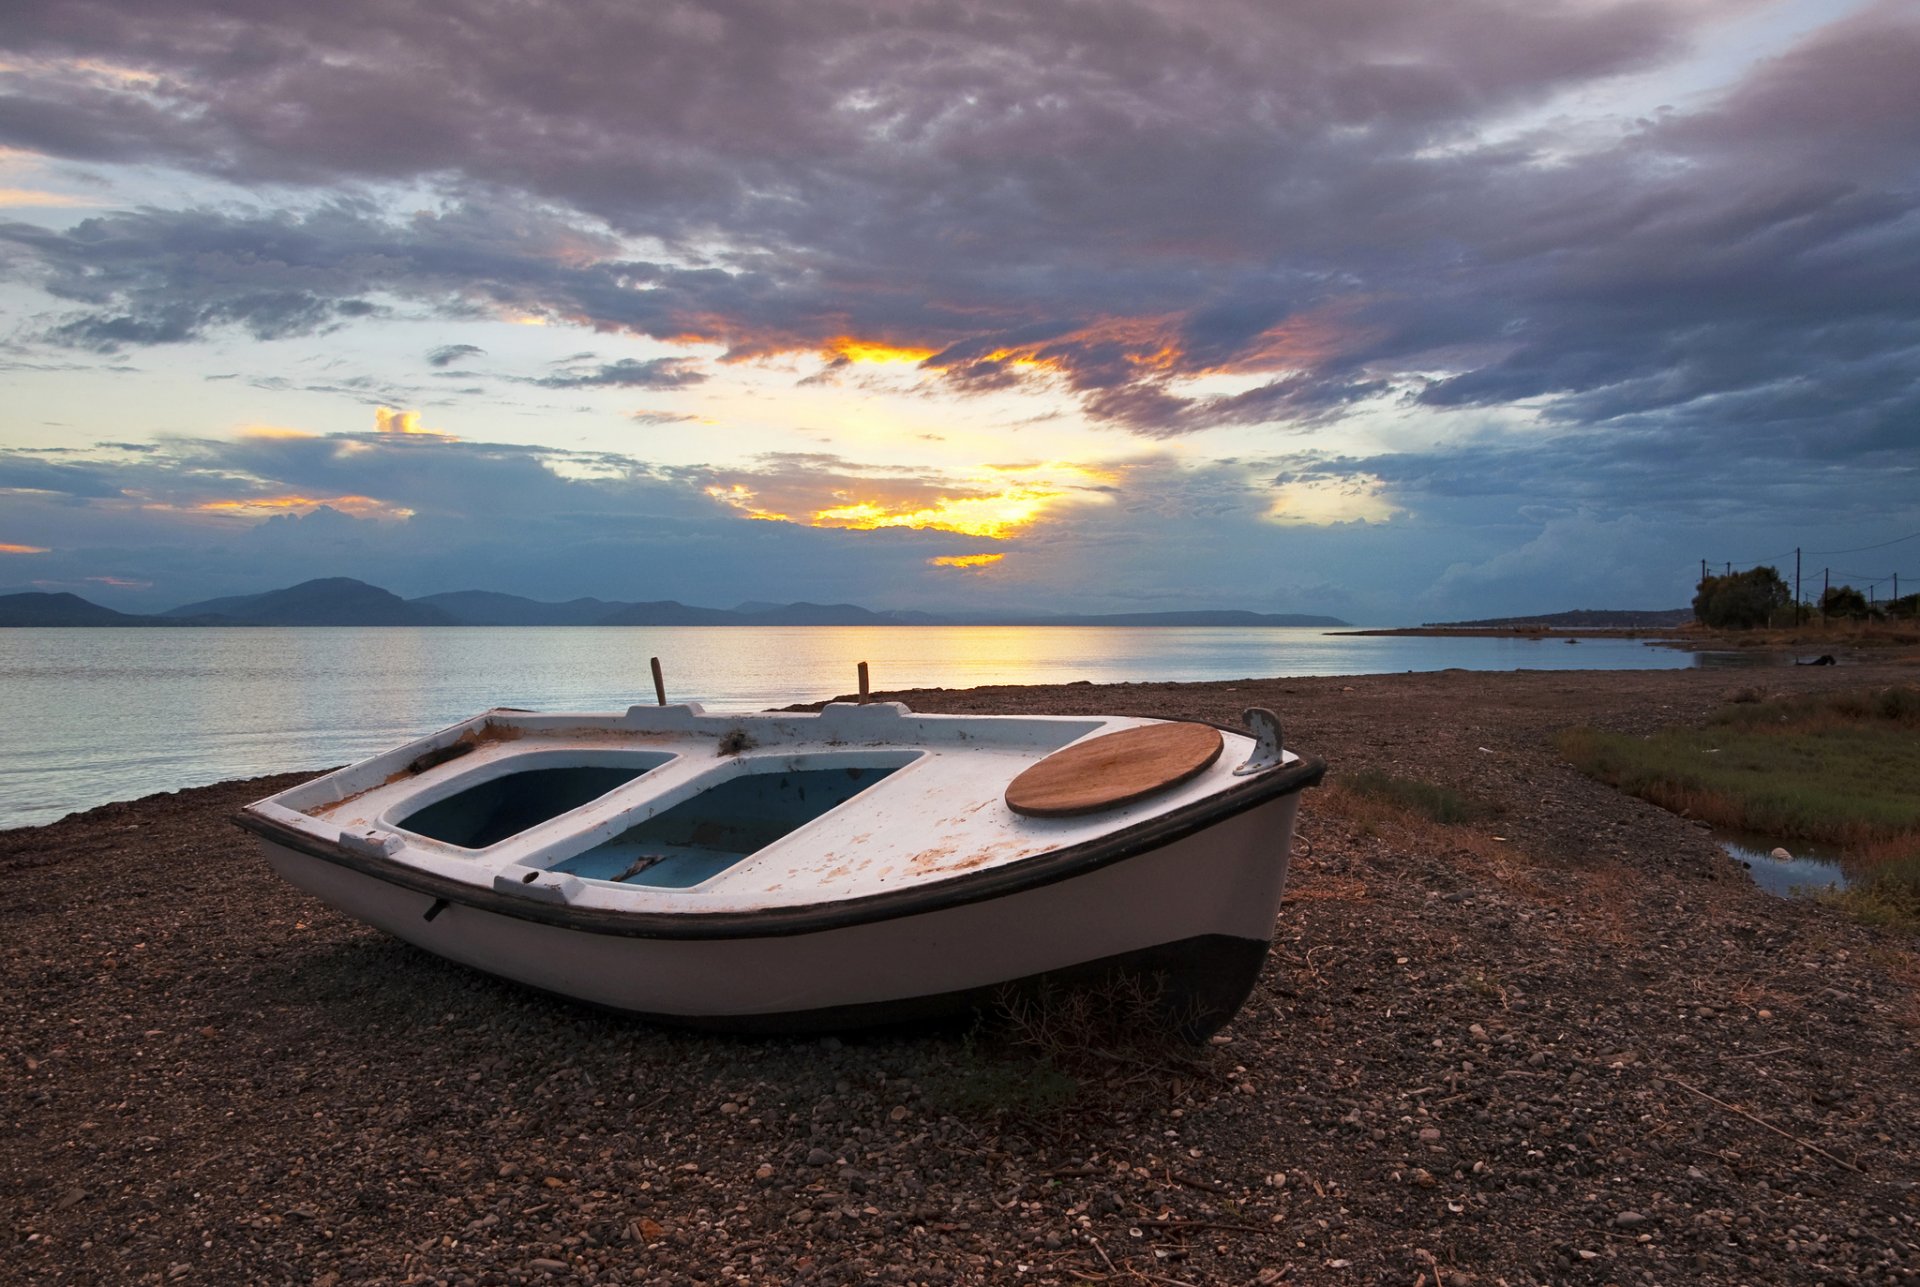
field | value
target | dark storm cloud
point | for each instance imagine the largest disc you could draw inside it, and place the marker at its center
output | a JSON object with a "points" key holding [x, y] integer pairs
{"points": [[1102, 200]]}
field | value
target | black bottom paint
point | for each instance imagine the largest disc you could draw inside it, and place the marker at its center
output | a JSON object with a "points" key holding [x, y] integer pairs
{"points": [[1190, 987]]}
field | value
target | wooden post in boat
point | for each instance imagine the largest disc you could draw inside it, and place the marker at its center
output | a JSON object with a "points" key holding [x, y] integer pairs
{"points": [[659, 682], [863, 683]]}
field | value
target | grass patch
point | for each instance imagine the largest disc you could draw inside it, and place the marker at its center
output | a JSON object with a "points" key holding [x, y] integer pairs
{"points": [[1840, 769], [1888, 895], [1425, 799]]}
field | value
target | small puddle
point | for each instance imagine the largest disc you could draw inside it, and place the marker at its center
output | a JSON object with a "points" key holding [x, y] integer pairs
{"points": [[1805, 871]]}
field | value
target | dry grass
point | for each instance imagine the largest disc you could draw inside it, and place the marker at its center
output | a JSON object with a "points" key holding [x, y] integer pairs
{"points": [[1815, 636]]}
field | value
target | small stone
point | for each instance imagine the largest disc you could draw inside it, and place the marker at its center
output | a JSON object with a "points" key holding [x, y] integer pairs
{"points": [[508, 1170], [1629, 1220], [548, 1266], [1430, 1135], [729, 1108], [898, 1115], [764, 1171], [651, 1230], [1422, 1177], [819, 1157]]}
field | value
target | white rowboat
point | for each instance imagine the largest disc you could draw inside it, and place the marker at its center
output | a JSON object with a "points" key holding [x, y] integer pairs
{"points": [[791, 872]]}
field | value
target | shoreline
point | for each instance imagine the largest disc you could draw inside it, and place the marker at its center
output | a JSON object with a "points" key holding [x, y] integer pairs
{"points": [[1501, 1049]]}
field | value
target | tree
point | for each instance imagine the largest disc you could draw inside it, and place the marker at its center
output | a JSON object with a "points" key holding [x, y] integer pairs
{"points": [[1844, 601], [1742, 600], [1906, 607]]}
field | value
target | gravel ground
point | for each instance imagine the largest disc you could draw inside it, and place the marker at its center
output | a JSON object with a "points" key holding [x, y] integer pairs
{"points": [[1567, 1044]]}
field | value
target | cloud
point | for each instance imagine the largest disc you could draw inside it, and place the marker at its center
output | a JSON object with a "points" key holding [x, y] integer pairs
{"points": [[1354, 223], [629, 373], [1118, 209], [448, 354]]}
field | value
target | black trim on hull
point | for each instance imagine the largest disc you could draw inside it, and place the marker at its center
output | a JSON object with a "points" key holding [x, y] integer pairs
{"points": [[1191, 987], [996, 882]]}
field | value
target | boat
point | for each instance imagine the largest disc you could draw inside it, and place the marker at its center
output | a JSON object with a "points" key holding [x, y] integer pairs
{"points": [[814, 871]]}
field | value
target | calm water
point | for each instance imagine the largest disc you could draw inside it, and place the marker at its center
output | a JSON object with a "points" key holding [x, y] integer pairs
{"points": [[1803, 872], [100, 715]]}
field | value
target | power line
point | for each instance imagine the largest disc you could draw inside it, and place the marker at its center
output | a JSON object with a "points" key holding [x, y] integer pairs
{"points": [[1860, 548]]}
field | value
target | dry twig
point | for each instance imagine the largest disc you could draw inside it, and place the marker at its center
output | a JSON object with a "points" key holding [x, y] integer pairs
{"points": [[1741, 1112]]}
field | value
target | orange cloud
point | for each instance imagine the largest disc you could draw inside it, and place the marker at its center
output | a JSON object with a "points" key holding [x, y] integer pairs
{"points": [[992, 501], [966, 560], [121, 583], [24, 549], [405, 424], [993, 516], [845, 346], [275, 431], [747, 501], [262, 506]]}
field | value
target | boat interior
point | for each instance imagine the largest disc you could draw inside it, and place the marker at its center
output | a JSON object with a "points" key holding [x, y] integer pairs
{"points": [[669, 800], [701, 837]]}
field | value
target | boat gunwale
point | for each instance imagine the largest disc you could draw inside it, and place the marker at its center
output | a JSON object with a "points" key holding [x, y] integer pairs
{"points": [[1031, 872]]}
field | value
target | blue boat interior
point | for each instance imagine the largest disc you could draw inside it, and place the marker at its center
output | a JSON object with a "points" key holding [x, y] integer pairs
{"points": [[488, 812], [701, 837]]}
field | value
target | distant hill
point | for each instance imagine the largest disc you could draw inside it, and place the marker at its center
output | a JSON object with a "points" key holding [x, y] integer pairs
{"points": [[38, 609], [485, 608], [329, 601], [343, 601], [817, 614], [1585, 619], [667, 612]]}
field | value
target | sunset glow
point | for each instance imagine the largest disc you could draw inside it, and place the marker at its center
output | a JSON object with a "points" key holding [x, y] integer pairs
{"points": [[1319, 502], [853, 350], [1009, 499], [24, 549], [276, 431], [966, 560], [405, 424], [744, 499], [264, 506], [21, 197]]}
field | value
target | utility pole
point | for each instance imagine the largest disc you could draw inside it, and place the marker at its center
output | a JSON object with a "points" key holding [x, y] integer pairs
{"points": [[1729, 567], [1796, 585], [1703, 571], [1824, 576]]}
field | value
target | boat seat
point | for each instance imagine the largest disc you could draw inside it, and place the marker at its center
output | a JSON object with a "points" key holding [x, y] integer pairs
{"points": [[1113, 769]]}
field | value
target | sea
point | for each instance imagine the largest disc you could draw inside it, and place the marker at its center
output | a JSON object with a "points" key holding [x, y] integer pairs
{"points": [[97, 715]]}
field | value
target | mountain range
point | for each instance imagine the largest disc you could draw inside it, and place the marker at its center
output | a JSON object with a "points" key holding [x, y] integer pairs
{"points": [[343, 601]]}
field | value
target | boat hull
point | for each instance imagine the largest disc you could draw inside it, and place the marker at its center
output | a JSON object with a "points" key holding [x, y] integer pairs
{"points": [[1188, 921]]}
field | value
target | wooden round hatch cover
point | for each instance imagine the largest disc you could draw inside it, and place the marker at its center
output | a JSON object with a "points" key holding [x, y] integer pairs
{"points": [[1116, 769]]}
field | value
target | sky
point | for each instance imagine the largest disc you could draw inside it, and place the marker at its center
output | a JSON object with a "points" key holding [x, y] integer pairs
{"points": [[1392, 311]]}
